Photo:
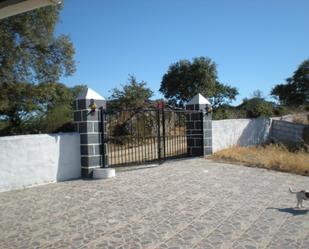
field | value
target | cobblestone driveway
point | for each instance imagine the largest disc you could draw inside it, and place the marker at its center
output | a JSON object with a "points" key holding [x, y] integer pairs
{"points": [[185, 204]]}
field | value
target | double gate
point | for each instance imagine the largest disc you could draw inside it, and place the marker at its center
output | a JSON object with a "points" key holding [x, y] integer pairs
{"points": [[144, 136]]}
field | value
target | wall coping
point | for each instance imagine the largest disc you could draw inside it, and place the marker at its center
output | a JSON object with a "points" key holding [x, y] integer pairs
{"points": [[88, 93], [198, 99], [14, 137], [290, 123], [232, 119]]}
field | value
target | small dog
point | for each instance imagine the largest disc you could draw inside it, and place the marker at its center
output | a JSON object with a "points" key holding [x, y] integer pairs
{"points": [[300, 196]]}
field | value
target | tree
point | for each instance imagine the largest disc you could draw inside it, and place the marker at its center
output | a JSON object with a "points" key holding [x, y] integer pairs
{"points": [[18, 103], [133, 95], [296, 90], [257, 94], [32, 59], [184, 79], [56, 105], [226, 111], [129, 101], [29, 51], [257, 106], [36, 108]]}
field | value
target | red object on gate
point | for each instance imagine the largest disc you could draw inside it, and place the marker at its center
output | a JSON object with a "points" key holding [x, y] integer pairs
{"points": [[160, 105]]}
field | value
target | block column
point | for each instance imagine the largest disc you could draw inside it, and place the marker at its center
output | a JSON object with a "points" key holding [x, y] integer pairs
{"points": [[199, 126], [88, 122]]}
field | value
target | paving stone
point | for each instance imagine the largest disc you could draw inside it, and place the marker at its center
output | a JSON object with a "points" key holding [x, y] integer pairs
{"points": [[193, 203]]}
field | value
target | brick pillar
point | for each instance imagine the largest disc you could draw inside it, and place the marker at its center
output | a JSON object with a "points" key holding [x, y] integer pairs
{"points": [[199, 127], [88, 122]]}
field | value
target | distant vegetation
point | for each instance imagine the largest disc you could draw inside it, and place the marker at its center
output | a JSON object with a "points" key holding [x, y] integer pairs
{"points": [[249, 108], [292, 97], [259, 107], [184, 79]]}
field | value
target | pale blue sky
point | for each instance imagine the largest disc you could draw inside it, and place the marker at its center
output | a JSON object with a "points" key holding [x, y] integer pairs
{"points": [[255, 43]]}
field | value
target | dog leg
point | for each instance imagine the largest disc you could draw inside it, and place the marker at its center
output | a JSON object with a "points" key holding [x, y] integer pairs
{"points": [[298, 203]]}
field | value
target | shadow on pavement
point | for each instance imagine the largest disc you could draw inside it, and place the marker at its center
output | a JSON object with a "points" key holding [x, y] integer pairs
{"points": [[293, 211]]}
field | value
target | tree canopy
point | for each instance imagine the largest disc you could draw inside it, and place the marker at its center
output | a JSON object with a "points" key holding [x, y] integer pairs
{"points": [[133, 95], [296, 90], [36, 108], [29, 50], [128, 101], [256, 107], [32, 60], [184, 79]]}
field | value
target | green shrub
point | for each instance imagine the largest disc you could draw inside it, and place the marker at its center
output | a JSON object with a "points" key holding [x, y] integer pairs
{"points": [[257, 107]]}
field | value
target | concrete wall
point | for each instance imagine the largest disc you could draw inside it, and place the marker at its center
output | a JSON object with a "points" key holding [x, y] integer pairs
{"points": [[38, 159], [243, 132], [287, 132]]}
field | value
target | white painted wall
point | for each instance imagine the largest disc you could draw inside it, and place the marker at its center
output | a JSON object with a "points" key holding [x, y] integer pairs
{"points": [[243, 132], [30, 160]]}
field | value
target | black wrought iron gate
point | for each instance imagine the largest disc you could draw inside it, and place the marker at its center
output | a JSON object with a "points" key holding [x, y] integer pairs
{"points": [[144, 136]]}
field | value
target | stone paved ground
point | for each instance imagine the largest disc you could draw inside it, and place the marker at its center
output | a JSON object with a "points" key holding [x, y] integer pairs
{"points": [[185, 204]]}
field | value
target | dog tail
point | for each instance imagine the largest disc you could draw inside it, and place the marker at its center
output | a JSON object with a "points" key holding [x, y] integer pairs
{"points": [[291, 191]]}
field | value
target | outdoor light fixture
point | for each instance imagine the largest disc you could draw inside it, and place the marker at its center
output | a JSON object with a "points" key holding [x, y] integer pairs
{"points": [[208, 109], [92, 106]]}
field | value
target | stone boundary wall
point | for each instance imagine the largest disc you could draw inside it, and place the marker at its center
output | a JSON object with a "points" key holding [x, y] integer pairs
{"points": [[30, 160], [242, 132], [287, 132]]}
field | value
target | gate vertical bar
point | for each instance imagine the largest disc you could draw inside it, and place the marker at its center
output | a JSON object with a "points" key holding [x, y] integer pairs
{"points": [[159, 136], [163, 131]]}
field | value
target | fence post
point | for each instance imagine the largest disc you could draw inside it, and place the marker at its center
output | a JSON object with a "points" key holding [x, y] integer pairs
{"points": [[87, 121], [199, 126]]}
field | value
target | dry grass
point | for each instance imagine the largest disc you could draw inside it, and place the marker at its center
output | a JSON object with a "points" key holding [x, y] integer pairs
{"points": [[275, 157], [301, 120]]}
